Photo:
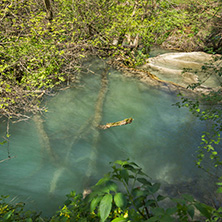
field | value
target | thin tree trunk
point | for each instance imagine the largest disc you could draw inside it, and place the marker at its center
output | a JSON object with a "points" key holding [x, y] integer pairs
{"points": [[48, 7]]}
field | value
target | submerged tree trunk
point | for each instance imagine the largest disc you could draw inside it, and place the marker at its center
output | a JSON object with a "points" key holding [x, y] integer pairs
{"points": [[96, 122], [44, 139], [47, 150], [63, 166], [91, 124], [100, 101]]}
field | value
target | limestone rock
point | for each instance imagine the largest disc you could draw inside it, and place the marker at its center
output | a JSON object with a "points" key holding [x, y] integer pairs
{"points": [[184, 68]]}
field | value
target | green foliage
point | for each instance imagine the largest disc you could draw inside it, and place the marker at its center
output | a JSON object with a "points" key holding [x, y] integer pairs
{"points": [[208, 108], [211, 113], [31, 60], [11, 213], [124, 194], [3, 142], [75, 209], [38, 53]]}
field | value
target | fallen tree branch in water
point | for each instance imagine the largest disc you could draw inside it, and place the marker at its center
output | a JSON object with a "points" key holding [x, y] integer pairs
{"points": [[1, 161], [119, 123]]}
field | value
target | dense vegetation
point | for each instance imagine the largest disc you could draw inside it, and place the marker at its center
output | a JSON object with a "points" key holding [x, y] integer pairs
{"points": [[124, 194], [42, 42], [42, 46]]}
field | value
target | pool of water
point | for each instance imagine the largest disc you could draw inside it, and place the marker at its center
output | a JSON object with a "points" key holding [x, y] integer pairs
{"points": [[63, 151]]}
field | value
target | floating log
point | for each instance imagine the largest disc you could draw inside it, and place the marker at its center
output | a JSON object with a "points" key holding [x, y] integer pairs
{"points": [[119, 123]]}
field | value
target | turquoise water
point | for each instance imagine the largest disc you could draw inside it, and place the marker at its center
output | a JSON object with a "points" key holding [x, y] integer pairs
{"points": [[62, 150]]}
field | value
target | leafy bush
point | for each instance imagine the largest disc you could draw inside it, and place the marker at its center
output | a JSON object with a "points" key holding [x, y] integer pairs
{"points": [[9, 212], [42, 44], [124, 194]]}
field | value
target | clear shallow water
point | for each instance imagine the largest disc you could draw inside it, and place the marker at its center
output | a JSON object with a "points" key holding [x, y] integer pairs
{"points": [[65, 152]]}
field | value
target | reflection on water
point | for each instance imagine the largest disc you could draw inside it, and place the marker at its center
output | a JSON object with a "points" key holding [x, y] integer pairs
{"points": [[63, 152]]}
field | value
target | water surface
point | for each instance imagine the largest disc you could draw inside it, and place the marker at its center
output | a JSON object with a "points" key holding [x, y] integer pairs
{"points": [[62, 150]]}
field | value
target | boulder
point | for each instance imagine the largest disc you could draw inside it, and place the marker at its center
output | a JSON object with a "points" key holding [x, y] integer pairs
{"points": [[185, 68]]}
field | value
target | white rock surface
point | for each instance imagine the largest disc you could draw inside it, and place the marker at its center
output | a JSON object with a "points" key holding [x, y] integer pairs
{"points": [[170, 67]]}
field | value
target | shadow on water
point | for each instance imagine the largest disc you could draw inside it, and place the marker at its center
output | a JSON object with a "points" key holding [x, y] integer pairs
{"points": [[64, 150]]}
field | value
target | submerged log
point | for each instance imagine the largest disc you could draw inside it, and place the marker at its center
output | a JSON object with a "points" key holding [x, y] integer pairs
{"points": [[119, 123], [95, 132]]}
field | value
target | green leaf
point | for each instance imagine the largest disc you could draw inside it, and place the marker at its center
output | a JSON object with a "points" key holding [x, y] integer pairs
{"points": [[139, 202], [158, 211], [8, 215], [144, 181], [167, 218], [153, 219], [94, 203], [67, 202], [103, 180], [154, 188], [137, 192], [191, 211], [103, 188], [129, 167], [125, 175], [105, 206], [2, 143], [120, 219], [132, 163], [150, 203], [160, 197], [140, 172], [121, 162], [111, 186], [188, 197], [170, 211], [120, 200], [203, 210], [219, 190]]}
